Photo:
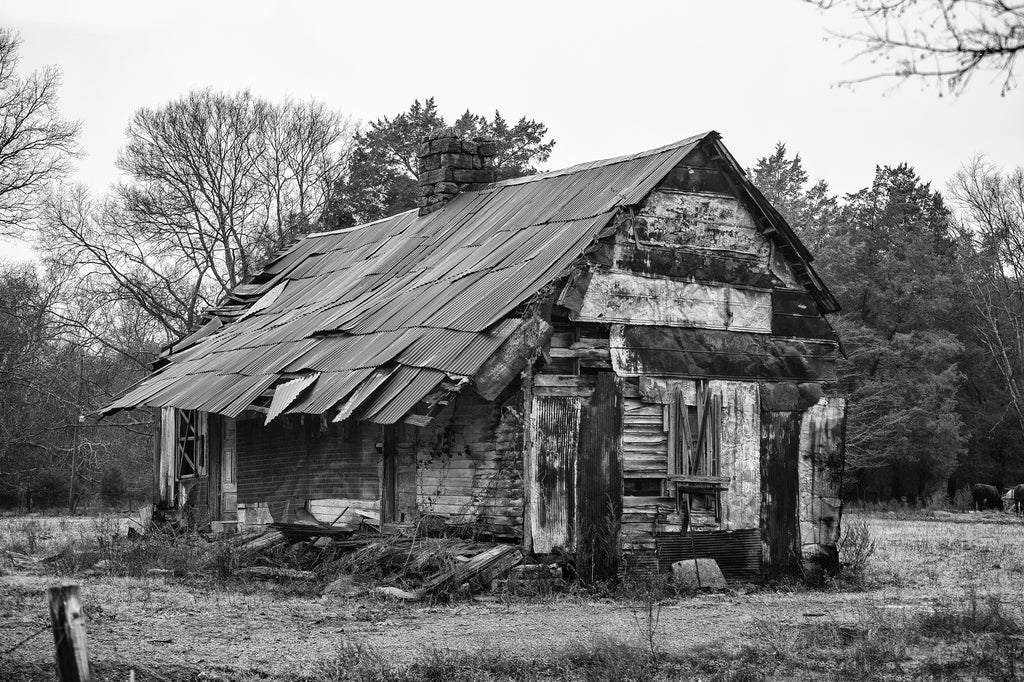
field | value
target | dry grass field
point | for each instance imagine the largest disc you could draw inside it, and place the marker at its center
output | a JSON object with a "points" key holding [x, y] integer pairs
{"points": [[938, 598]]}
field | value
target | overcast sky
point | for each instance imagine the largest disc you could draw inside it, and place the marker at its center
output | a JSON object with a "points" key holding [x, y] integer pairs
{"points": [[607, 78]]}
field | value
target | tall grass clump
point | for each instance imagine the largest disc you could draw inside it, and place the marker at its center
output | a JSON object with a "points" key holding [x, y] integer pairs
{"points": [[856, 547]]}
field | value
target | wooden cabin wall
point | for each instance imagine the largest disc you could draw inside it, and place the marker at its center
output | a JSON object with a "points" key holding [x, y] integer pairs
{"points": [[467, 470], [689, 289]]}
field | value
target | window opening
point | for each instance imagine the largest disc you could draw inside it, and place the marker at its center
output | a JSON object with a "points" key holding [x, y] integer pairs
{"points": [[191, 445]]}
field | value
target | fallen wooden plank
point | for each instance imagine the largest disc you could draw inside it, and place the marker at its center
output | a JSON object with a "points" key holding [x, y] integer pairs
{"points": [[271, 573], [263, 541], [498, 557]]}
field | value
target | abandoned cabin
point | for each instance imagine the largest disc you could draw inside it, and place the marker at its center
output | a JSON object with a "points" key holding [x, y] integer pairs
{"points": [[625, 362]]}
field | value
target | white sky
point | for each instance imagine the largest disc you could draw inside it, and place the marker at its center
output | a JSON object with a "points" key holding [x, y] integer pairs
{"points": [[607, 78]]}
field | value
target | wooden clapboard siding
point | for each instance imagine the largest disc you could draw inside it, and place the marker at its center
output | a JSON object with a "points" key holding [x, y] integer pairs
{"points": [[644, 440], [468, 466]]}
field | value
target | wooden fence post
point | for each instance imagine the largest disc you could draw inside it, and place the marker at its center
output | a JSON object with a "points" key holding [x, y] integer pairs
{"points": [[71, 649]]}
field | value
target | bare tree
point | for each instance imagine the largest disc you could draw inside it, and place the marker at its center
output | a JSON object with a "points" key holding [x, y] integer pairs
{"points": [[216, 182], [36, 144], [991, 208], [946, 40]]}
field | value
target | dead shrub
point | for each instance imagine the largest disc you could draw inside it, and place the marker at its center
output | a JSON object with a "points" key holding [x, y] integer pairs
{"points": [[856, 547]]}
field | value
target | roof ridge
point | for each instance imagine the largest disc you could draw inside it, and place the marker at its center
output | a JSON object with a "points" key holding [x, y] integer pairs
{"points": [[599, 163]]}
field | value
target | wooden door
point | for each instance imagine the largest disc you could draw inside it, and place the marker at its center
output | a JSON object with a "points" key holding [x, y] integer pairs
{"points": [[780, 491], [215, 449], [228, 478], [551, 472], [389, 475]]}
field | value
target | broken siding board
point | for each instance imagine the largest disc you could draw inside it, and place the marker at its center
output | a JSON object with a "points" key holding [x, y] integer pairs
{"points": [[674, 351], [694, 265], [685, 178], [634, 299]]}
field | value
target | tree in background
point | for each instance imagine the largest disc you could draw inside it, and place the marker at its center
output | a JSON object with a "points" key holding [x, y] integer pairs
{"points": [[381, 178], [888, 255], [49, 376], [216, 183], [36, 144], [991, 210], [949, 41]]}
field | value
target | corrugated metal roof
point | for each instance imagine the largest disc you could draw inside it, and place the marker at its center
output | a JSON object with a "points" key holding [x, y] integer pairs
{"points": [[385, 311]]}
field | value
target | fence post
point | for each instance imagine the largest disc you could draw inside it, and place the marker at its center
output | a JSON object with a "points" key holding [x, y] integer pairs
{"points": [[71, 649]]}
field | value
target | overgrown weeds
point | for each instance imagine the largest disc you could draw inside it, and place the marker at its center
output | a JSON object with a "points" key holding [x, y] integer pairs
{"points": [[856, 547]]}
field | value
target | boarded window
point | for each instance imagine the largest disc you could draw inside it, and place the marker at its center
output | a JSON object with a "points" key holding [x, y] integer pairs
{"points": [[695, 455], [672, 452]]}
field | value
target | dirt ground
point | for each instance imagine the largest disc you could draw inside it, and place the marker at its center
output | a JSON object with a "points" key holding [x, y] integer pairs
{"points": [[158, 624]]}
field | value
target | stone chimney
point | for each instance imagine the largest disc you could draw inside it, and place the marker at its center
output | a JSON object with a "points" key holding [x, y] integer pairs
{"points": [[449, 164]]}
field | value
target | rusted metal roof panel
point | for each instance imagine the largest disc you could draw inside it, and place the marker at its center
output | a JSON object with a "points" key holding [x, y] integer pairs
{"points": [[384, 310]]}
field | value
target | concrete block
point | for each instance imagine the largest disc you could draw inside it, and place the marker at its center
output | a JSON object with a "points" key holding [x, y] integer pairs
{"points": [[698, 574]]}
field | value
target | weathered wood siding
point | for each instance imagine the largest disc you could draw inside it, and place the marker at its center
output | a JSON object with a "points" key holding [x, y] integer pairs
{"points": [[694, 297], [468, 466], [636, 299]]}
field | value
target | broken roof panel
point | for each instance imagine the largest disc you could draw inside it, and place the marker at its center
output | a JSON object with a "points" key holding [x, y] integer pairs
{"points": [[384, 311]]}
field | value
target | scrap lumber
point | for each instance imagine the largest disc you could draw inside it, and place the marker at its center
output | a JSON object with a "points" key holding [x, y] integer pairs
{"points": [[19, 560], [493, 562], [263, 541], [271, 573]]}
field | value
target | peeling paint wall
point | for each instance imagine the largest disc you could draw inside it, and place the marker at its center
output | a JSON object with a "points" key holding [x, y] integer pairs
{"points": [[699, 220], [635, 299], [822, 436]]}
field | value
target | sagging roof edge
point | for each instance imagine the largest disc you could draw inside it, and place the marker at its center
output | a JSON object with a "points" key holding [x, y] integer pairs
{"points": [[710, 140]]}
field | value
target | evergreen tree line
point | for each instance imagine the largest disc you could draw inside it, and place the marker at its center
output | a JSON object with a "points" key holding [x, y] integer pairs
{"points": [[932, 323]]}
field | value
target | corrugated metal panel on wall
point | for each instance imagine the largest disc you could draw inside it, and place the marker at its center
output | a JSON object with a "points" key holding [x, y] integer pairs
{"points": [[738, 552], [556, 423], [293, 459]]}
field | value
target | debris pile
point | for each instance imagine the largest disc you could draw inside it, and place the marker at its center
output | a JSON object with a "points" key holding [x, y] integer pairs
{"points": [[393, 564]]}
